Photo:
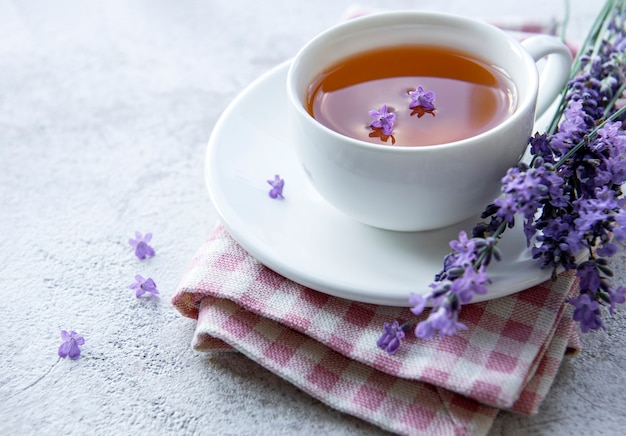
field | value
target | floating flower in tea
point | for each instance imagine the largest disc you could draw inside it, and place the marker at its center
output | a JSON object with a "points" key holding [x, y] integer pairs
{"points": [[423, 98], [382, 119], [382, 123]]}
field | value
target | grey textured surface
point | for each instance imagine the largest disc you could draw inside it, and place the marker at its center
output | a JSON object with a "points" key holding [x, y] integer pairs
{"points": [[105, 112]]}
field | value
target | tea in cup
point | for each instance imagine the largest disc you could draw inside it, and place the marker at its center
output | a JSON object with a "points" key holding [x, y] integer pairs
{"points": [[408, 120], [472, 97]]}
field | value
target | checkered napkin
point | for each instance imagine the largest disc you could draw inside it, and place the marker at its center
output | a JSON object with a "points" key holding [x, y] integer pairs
{"points": [[326, 346]]}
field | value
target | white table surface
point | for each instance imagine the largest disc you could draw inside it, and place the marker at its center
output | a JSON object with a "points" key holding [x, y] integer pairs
{"points": [[105, 112]]}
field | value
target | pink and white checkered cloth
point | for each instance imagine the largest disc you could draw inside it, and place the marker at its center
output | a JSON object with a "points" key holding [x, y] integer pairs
{"points": [[326, 346]]}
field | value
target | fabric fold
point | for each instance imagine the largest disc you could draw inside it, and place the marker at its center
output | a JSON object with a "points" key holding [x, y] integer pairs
{"points": [[507, 359]]}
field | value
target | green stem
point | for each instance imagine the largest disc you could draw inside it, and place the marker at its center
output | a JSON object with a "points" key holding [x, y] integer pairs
{"points": [[610, 6], [593, 39], [565, 20]]}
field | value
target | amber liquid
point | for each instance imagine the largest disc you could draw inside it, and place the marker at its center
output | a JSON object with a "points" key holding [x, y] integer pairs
{"points": [[471, 97]]}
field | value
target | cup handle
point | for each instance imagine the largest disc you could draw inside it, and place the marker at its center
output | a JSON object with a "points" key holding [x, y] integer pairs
{"points": [[556, 71]]}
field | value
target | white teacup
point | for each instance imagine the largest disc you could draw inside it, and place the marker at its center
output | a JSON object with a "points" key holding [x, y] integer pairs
{"points": [[425, 187]]}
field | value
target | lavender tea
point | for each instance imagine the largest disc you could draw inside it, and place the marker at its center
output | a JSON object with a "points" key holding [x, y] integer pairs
{"points": [[470, 97]]}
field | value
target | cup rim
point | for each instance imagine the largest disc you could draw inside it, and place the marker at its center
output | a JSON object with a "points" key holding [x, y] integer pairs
{"points": [[404, 17]]}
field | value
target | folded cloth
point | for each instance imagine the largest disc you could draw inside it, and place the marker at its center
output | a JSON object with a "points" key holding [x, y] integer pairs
{"points": [[326, 346]]}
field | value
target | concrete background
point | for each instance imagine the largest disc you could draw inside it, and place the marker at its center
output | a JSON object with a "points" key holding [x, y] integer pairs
{"points": [[105, 112]]}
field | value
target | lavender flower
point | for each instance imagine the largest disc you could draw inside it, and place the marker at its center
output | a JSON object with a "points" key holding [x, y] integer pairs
{"points": [[587, 313], [472, 281], [383, 120], [422, 98], [576, 123], [616, 296], [141, 286], [277, 187], [569, 196], [140, 244], [419, 302], [463, 276], [444, 319], [390, 339], [70, 346], [464, 249]]}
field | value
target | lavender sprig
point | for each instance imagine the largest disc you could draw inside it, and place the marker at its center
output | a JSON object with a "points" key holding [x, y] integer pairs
{"points": [[568, 198]]}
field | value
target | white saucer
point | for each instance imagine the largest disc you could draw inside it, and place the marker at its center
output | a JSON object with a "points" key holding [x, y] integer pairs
{"points": [[305, 239]]}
